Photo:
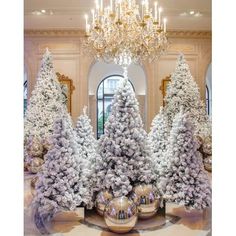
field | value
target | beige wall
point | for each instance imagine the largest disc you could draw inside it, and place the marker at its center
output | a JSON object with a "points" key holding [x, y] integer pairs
{"points": [[69, 60]]}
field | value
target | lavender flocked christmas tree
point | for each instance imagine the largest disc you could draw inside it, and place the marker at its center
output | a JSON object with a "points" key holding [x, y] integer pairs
{"points": [[123, 147], [185, 181], [183, 92], [159, 133], [158, 141], [87, 147], [59, 186], [45, 102]]}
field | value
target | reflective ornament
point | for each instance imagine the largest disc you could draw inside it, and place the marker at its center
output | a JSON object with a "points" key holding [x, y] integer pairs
{"points": [[26, 166], [102, 200], [208, 163], [33, 181], [146, 199], [207, 146], [120, 215], [46, 145], [35, 165], [35, 147], [200, 142]]}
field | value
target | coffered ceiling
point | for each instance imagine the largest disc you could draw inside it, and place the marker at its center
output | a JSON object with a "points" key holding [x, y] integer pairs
{"points": [[69, 14]]}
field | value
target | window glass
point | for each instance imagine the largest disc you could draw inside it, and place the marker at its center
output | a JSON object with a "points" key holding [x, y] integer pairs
{"points": [[105, 93]]}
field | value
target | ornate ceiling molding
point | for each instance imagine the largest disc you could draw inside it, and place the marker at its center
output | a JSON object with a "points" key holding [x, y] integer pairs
{"points": [[80, 33], [189, 34]]}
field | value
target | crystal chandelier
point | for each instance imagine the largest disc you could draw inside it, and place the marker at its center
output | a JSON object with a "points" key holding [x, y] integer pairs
{"points": [[125, 32]]}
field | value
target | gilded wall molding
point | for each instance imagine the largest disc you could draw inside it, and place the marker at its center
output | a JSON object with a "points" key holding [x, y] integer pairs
{"points": [[189, 34], [80, 33]]}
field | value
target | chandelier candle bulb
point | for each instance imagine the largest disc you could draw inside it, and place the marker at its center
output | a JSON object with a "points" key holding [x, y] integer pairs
{"points": [[108, 10], [88, 30], [97, 6], [101, 6], [119, 9], [160, 10], [155, 11], [92, 11], [86, 22], [111, 5], [143, 3], [129, 4], [146, 7], [165, 20]]}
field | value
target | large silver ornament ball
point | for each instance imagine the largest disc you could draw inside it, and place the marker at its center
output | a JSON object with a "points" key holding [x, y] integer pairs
{"points": [[102, 199], [33, 183], [35, 165], [146, 199], [121, 215], [46, 145], [207, 146], [208, 163], [199, 141], [35, 147]]}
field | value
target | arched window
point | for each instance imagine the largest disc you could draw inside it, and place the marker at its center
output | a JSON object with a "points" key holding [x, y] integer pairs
{"points": [[209, 90], [207, 100], [25, 91], [105, 93]]}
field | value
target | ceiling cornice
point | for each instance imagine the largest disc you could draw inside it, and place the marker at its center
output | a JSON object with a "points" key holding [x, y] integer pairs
{"points": [[80, 33]]}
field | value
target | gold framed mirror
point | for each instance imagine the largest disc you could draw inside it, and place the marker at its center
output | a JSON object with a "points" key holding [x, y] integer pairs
{"points": [[67, 89], [163, 87]]}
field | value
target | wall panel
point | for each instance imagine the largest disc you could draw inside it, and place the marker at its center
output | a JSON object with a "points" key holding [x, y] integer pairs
{"points": [[69, 60]]}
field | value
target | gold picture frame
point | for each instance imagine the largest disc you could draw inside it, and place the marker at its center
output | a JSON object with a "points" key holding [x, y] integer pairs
{"points": [[67, 89], [163, 87]]}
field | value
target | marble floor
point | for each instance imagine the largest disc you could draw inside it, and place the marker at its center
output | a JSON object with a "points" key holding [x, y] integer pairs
{"points": [[178, 222]]}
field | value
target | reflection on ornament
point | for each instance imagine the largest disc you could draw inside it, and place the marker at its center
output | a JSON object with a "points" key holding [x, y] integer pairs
{"points": [[46, 145], [207, 146], [200, 142], [35, 165], [146, 199], [208, 163], [35, 147], [102, 200], [33, 181], [120, 215]]}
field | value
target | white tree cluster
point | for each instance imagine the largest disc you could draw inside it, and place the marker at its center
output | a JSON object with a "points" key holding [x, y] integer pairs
{"points": [[123, 147], [59, 186], [87, 147], [158, 141], [185, 181], [183, 92], [45, 102]]}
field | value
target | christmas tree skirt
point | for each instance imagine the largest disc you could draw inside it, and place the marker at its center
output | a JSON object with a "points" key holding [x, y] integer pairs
{"points": [[93, 220], [69, 216]]}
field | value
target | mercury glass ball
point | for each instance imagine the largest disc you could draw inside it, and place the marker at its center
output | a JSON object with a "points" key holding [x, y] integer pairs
{"points": [[46, 144], [200, 141], [207, 146], [36, 165], [120, 215], [35, 148], [146, 199], [102, 200]]}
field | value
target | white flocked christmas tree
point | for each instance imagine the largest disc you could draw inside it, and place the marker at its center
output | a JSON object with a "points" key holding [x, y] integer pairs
{"points": [[59, 186], [45, 102], [158, 141], [183, 92], [87, 147], [123, 147], [185, 181]]}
